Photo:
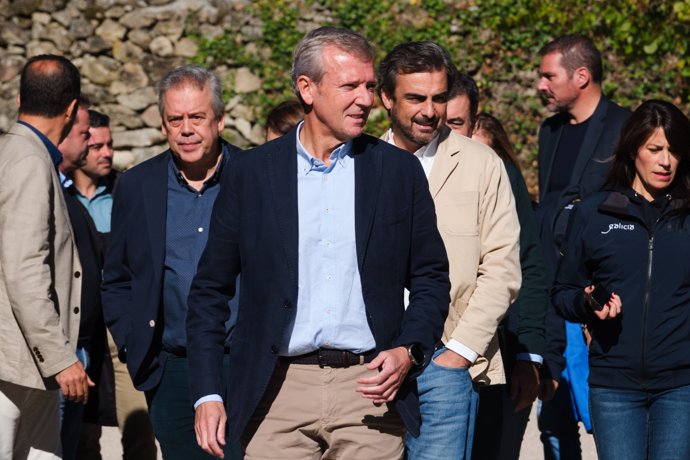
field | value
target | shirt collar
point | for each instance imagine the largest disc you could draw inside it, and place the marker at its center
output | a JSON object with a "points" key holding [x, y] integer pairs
{"points": [[425, 151], [341, 155], [55, 154], [100, 189], [65, 181]]}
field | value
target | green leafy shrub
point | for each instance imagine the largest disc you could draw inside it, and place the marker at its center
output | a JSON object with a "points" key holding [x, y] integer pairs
{"points": [[644, 44]]}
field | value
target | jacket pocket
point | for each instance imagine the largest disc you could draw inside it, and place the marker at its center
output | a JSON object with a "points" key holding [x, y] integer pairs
{"points": [[458, 215]]}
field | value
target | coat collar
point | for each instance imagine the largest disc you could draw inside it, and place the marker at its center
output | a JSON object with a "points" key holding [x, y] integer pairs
{"points": [[154, 193], [281, 156], [595, 129], [447, 158]]}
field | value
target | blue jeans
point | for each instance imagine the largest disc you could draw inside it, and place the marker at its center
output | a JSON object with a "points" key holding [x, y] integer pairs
{"points": [[641, 424], [172, 414], [558, 426], [71, 415], [448, 404]]}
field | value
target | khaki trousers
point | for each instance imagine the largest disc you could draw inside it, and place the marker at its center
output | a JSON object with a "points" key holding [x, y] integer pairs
{"points": [[29, 423], [310, 412]]}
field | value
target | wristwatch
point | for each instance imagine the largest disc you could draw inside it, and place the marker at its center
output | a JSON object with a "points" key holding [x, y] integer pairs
{"points": [[415, 354]]}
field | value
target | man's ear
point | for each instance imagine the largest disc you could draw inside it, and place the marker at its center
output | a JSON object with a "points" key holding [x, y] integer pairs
{"points": [[582, 77], [71, 108], [387, 100], [306, 87], [221, 123]]}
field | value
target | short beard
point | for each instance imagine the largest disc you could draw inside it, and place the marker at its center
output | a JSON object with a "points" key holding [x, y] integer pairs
{"points": [[407, 132]]}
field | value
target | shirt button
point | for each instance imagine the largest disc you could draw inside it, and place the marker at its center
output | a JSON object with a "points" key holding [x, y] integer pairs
{"points": [[152, 323], [274, 349], [200, 229], [287, 304], [329, 277], [76, 310], [77, 274]]}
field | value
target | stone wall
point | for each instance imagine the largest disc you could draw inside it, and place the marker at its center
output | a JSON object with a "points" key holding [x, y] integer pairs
{"points": [[123, 48]]}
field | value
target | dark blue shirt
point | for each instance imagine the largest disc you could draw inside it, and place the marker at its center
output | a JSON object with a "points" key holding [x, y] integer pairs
{"points": [[188, 218], [55, 154]]}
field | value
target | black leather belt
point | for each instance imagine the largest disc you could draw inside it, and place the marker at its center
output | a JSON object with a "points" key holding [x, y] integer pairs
{"points": [[182, 353], [325, 357]]}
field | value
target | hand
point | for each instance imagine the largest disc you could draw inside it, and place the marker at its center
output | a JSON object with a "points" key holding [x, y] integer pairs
{"points": [[524, 384], [74, 383], [393, 366], [610, 310], [209, 425], [451, 359], [547, 388]]}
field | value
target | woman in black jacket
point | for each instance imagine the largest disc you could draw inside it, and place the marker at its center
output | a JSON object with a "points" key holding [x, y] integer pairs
{"points": [[625, 273]]}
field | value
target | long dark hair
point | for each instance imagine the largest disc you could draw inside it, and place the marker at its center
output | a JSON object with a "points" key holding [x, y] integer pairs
{"points": [[498, 138], [650, 115]]}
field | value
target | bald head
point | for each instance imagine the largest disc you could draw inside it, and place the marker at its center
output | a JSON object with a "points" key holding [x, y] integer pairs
{"points": [[47, 86]]}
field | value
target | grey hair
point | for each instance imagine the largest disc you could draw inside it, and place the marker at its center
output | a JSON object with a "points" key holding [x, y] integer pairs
{"points": [[307, 57], [198, 77]]}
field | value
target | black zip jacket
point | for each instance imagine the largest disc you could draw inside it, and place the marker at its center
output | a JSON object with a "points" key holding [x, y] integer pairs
{"points": [[643, 255]]}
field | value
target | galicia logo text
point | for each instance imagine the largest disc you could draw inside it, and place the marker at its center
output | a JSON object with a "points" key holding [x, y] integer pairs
{"points": [[619, 226]]}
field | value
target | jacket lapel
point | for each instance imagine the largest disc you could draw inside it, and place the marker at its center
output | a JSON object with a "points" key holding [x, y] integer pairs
{"points": [[368, 171], [590, 141], [549, 149], [447, 158], [155, 197], [282, 174]]}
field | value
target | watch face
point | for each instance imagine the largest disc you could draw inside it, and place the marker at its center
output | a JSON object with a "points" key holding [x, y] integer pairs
{"points": [[416, 354]]}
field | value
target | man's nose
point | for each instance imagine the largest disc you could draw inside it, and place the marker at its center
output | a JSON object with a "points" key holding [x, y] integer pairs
{"points": [[365, 97], [186, 127], [428, 109]]}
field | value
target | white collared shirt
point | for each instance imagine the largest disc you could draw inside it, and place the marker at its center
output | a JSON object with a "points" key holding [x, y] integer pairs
{"points": [[426, 153]]}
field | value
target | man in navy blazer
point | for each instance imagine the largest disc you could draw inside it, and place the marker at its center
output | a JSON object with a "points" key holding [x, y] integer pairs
{"points": [[575, 148], [161, 211], [327, 226]]}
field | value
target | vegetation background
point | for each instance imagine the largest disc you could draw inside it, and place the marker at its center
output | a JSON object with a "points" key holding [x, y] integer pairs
{"points": [[644, 43]]}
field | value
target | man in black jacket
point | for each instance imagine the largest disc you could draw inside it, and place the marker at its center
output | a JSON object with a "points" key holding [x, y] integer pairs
{"points": [[574, 146], [91, 344], [122, 404]]}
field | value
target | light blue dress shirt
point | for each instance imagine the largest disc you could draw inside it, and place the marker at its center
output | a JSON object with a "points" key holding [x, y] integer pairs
{"points": [[330, 306], [100, 207]]}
